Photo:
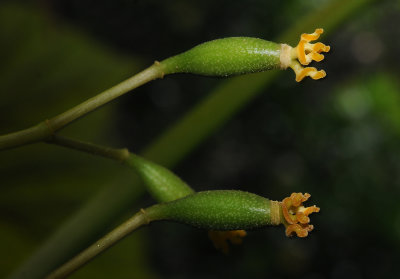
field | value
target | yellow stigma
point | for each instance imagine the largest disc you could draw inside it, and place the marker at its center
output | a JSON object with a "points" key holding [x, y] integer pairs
{"points": [[220, 239], [295, 215], [305, 52]]}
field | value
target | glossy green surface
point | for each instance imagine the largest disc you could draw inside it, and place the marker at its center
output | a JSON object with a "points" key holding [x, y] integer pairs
{"points": [[217, 210], [161, 183], [225, 57]]}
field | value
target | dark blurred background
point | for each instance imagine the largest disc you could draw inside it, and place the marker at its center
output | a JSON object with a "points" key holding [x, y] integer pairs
{"points": [[337, 138]]}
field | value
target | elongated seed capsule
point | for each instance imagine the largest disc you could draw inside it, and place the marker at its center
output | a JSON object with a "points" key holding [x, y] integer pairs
{"points": [[243, 55], [225, 57], [162, 184], [221, 210], [232, 210]]}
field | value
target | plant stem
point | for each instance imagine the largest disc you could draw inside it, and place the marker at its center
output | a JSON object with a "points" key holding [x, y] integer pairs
{"points": [[112, 153], [45, 129], [132, 224]]}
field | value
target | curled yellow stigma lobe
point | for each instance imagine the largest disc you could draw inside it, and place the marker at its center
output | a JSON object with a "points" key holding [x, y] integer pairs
{"points": [[305, 52], [220, 239], [295, 215]]}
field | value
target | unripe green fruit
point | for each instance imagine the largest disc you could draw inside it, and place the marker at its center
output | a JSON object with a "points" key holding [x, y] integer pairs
{"points": [[218, 210], [224, 57], [161, 183]]}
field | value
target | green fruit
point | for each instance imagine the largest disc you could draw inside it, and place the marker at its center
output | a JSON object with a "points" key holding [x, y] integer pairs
{"points": [[225, 57], [216, 210], [162, 184]]}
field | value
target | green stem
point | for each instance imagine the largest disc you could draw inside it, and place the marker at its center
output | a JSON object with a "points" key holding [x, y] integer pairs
{"points": [[132, 224], [120, 155], [47, 128], [30, 135]]}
